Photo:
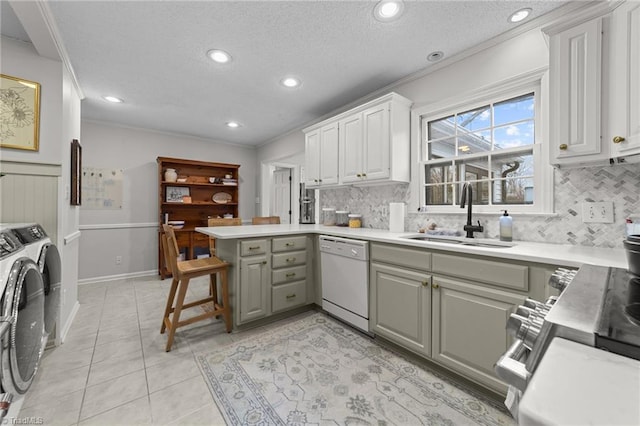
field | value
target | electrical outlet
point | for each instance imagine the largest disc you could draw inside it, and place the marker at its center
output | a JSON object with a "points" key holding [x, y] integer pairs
{"points": [[118, 260], [601, 212]]}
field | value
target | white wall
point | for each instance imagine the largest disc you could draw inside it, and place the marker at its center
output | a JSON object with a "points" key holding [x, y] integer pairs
{"points": [[20, 59], [59, 123], [68, 223], [131, 232]]}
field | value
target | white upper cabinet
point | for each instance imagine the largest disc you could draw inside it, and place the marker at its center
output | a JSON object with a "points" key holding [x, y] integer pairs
{"points": [[623, 129], [575, 87], [373, 144], [321, 156], [594, 66]]}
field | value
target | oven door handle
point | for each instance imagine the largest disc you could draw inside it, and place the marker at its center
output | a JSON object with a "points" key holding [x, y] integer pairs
{"points": [[510, 368]]}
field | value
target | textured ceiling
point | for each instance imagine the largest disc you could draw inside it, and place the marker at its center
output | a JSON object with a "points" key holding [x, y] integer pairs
{"points": [[152, 54]]}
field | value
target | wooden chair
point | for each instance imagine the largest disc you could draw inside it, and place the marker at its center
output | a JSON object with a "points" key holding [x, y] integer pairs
{"points": [[235, 221], [265, 220], [182, 272]]}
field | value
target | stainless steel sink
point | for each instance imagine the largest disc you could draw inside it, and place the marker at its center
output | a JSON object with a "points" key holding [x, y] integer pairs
{"points": [[477, 242]]}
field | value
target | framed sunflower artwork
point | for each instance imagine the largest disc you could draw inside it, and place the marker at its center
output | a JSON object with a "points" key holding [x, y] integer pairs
{"points": [[19, 113]]}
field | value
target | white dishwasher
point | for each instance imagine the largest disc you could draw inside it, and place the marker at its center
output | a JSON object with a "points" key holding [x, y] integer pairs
{"points": [[345, 279]]}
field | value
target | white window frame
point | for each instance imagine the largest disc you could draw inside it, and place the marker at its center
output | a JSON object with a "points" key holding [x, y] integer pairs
{"points": [[533, 82]]}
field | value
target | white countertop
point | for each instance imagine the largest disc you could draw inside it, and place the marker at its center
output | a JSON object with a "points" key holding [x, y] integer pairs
{"points": [[580, 385], [555, 254]]}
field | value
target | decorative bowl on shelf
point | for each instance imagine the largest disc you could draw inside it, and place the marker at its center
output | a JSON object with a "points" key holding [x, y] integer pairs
{"points": [[181, 179], [177, 224], [221, 198]]}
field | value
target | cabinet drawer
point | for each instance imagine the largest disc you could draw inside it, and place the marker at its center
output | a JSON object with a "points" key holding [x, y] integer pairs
{"points": [[291, 258], [183, 239], [288, 296], [200, 240], [497, 273], [249, 248], [289, 243], [288, 274], [412, 258]]}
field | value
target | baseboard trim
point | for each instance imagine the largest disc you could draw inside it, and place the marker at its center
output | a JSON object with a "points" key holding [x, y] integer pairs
{"points": [[104, 278], [67, 326]]}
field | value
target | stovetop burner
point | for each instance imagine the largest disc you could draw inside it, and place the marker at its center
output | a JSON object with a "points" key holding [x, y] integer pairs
{"points": [[619, 326]]}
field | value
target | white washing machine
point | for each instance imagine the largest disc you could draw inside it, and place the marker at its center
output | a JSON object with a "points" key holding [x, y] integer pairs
{"points": [[41, 250], [22, 335]]}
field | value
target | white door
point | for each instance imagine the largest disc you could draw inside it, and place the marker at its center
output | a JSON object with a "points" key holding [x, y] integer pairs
{"points": [[282, 195]]}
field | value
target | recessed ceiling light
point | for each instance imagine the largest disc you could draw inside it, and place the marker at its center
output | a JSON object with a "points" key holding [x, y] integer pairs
{"points": [[113, 99], [219, 56], [290, 82], [435, 56], [387, 10], [520, 15], [233, 124]]}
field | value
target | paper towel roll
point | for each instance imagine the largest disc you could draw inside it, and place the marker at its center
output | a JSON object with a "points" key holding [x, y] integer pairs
{"points": [[396, 217]]}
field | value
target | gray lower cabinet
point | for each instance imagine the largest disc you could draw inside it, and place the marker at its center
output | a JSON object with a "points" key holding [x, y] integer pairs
{"points": [[401, 306], [254, 288], [267, 275], [469, 328], [448, 306]]}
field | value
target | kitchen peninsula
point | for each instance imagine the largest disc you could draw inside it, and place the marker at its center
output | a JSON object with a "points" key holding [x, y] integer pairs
{"points": [[421, 293]]}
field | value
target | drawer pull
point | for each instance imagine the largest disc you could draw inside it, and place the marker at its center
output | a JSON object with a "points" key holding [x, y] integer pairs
{"points": [[264, 262], [291, 259], [290, 244], [293, 274], [254, 248], [291, 296]]}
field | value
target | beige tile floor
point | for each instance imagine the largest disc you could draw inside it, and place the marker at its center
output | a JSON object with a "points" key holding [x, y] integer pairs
{"points": [[113, 369]]}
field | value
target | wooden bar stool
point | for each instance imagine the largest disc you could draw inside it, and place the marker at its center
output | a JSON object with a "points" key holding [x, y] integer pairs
{"points": [[182, 272], [265, 220]]}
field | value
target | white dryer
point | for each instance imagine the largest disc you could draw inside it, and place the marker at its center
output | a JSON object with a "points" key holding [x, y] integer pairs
{"points": [[22, 335], [41, 250]]}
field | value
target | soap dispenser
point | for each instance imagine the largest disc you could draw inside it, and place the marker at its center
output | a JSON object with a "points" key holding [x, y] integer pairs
{"points": [[506, 227]]}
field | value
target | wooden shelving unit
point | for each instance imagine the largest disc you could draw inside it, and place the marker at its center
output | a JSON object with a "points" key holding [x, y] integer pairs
{"points": [[199, 206]]}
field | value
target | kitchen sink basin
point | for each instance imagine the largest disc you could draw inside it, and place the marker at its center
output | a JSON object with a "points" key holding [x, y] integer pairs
{"points": [[477, 242]]}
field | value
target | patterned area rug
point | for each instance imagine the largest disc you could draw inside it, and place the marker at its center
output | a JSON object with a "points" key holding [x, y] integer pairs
{"points": [[319, 371]]}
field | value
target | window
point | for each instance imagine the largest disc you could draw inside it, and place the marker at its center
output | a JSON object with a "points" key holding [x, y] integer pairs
{"points": [[493, 143]]}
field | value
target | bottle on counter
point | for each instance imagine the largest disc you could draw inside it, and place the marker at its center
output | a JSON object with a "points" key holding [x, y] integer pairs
{"points": [[328, 216], [355, 220], [342, 218], [506, 227]]}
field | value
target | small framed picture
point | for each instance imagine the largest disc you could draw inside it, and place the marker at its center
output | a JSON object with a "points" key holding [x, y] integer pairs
{"points": [[76, 173], [174, 194], [19, 113]]}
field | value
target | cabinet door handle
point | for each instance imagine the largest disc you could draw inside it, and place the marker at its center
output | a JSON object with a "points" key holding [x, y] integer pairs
{"points": [[359, 175], [290, 296], [264, 262], [254, 248], [436, 286], [364, 175], [293, 274], [563, 147], [618, 139], [290, 259], [290, 244], [425, 283]]}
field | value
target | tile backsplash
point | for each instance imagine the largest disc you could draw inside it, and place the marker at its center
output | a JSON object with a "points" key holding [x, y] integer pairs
{"points": [[619, 184]]}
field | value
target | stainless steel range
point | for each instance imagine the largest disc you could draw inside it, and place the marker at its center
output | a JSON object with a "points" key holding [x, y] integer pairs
{"points": [[598, 307]]}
